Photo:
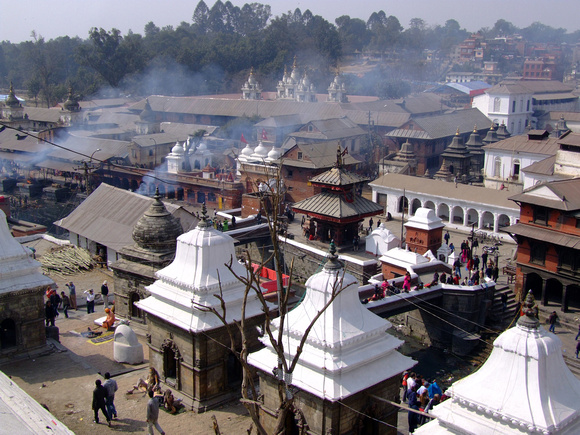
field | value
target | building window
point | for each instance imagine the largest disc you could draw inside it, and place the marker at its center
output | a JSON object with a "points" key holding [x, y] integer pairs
{"points": [[150, 153], [290, 173], [496, 104], [497, 167], [516, 172], [513, 106], [568, 259], [299, 155], [541, 215], [537, 253], [528, 106]]}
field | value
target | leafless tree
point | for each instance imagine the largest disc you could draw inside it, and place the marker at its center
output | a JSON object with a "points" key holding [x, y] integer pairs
{"points": [[272, 201]]}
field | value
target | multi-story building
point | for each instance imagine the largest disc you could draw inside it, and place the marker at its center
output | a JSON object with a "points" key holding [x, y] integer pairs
{"points": [[548, 237]]}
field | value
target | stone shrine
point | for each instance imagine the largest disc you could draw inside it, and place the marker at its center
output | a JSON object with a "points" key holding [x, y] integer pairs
{"points": [[347, 357], [155, 236], [524, 387], [22, 289], [189, 346]]}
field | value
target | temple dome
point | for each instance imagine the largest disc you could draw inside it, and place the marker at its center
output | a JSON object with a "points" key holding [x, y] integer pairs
{"points": [[247, 151], [260, 152], [273, 154], [157, 230], [177, 149]]}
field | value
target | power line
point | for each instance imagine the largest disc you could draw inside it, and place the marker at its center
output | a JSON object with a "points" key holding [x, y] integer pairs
{"points": [[125, 168]]}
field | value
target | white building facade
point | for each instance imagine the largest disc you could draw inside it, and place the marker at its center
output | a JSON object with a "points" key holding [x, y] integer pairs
{"points": [[460, 206]]}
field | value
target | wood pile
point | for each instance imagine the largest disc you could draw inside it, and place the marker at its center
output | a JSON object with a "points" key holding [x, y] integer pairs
{"points": [[66, 260]]}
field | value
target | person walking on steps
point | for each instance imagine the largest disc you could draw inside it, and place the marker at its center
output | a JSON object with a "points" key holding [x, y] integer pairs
{"points": [[552, 320]]}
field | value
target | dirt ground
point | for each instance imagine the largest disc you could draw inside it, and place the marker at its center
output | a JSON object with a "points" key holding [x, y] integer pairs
{"points": [[64, 379]]}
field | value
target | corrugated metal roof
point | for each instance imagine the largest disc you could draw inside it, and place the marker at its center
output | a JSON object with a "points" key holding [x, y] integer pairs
{"points": [[323, 154], [529, 87], [444, 189], [543, 167], [555, 96], [546, 235], [442, 126], [522, 143], [86, 146], [567, 192], [28, 144], [336, 206], [568, 116], [108, 216], [43, 115]]}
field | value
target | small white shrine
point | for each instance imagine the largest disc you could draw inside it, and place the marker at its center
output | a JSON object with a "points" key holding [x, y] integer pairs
{"points": [[347, 356], [524, 387], [189, 345], [175, 159], [381, 240]]}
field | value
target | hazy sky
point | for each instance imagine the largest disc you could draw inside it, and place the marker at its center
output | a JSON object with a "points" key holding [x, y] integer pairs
{"points": [[52, 18]]}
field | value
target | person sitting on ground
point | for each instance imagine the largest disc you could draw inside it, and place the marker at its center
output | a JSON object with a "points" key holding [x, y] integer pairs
{"points": [[108, 323], [443, 278], [149, 384], [171, 403]]}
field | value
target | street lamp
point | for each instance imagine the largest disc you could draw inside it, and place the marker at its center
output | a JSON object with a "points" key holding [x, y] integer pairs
{"points": [[155, 157], [86, 165]]}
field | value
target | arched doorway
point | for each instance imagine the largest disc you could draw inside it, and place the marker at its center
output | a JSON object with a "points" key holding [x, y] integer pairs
{"points": [[472, 217], [554, 291], [456, 215], [179, 194], [200, 197], [415, 204], [162, 191], [403, 205], [125, 183], [134, 185], [503, 221], [487, 220], [152, 189], [234, 370], [7, 334], [171, 357], [133, 309], [430, 205], [444, 212], [573, 296], [534, 283]]}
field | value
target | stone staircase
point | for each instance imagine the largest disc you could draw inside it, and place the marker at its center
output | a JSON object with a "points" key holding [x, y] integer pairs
{"points": [[498, 318]]}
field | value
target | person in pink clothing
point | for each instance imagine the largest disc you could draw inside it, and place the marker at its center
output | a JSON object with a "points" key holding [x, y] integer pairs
{"points": [[407, 282]]}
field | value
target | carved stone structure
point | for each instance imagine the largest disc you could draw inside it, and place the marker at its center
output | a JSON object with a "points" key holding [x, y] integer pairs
{"points": [[347, 357], [188, 344], [155, 236], [22, 288]]}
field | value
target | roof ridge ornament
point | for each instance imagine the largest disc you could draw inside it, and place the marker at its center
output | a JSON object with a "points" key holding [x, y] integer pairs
{"points": [[332, 263], [203, 223], [529, 319]]}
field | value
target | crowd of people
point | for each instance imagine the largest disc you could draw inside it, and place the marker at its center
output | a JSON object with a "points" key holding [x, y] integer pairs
{"points": [[420, 395]]}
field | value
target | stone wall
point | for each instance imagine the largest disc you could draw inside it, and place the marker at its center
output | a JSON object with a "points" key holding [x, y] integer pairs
{"points": [[348, 416], [207, 374], [26, 309]]}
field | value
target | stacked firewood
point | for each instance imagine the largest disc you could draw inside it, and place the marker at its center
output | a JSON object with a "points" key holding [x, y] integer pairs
{"points": [[66, 260]]}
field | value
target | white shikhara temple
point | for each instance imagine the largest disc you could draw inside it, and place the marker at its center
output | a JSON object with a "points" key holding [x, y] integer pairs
{"points": [[524, 387], [194, 277], [347, 350], [189, 345]]}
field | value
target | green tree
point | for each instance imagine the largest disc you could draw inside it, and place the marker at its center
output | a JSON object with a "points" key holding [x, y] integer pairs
{"points": [[201, 18], [353, 33], [111, 55]]}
